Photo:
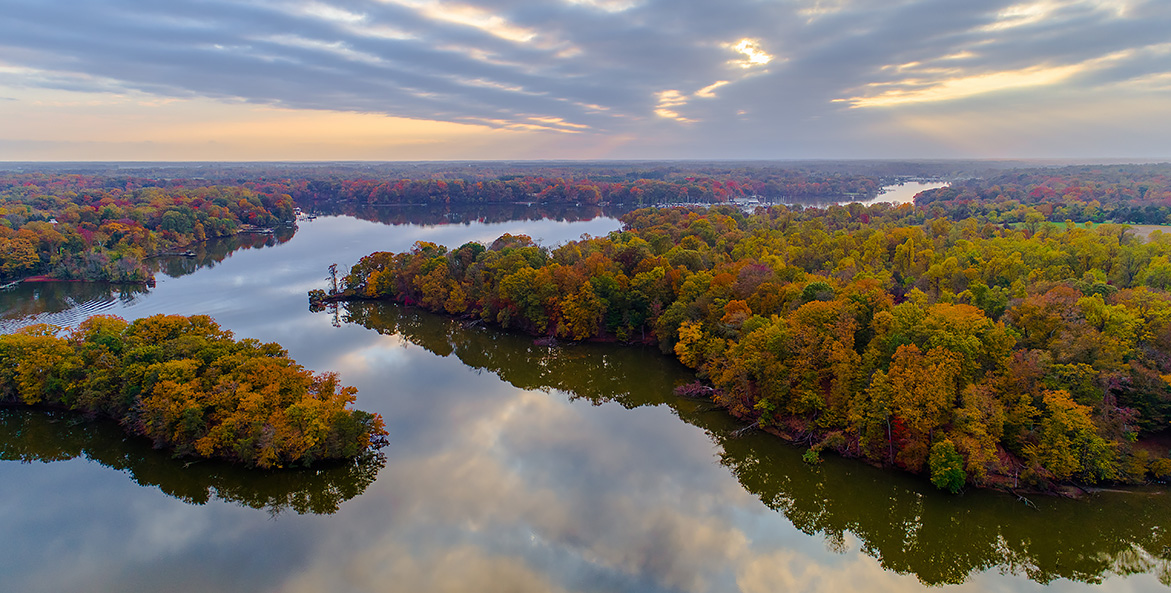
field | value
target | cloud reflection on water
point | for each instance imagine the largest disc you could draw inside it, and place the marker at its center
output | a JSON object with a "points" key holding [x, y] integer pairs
{"points": [[487, 485]]}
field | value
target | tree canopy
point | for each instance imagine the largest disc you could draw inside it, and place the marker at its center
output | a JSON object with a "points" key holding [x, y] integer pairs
{"points": [[976, 352], [74, 227], [191, 387]]}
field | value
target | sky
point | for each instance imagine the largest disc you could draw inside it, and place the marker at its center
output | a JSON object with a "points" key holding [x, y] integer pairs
{"points": [[583, 79]]}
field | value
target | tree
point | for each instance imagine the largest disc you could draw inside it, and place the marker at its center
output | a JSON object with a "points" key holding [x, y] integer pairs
{"points": [[581, 313], [1068, 445], [947, 467]]}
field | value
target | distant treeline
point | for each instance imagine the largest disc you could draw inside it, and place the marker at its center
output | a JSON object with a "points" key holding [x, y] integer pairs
{"points": [[610, 171], [100, 227], [780, 186], [467, 213], [584, 186], [190, 387], [83, 228], [1139, 194], [961, 348]]}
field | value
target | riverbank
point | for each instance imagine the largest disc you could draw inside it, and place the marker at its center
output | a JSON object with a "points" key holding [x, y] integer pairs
{"points": [[995, 482], [815, 443], [149, 282], [184, 250], [855, 331]]}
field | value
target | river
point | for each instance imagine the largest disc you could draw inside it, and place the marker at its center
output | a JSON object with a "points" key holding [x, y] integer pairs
{"points": [[511, 467]]}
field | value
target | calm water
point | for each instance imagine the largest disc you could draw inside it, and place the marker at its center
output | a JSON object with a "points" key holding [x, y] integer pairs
{"points": [[511, 468], [903, 193]]}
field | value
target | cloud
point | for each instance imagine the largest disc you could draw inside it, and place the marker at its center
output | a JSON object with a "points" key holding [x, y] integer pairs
{"points": [[949, 89], [469, 15], [753, 55], [1047, 11], [775, 79]]}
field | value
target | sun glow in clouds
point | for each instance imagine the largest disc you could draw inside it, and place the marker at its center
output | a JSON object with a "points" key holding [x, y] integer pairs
{"points": [[963, 87], [921, 88], [578, 74], [708, 92], [753, 54], [612, 6], [470, 16], [668, 100]]}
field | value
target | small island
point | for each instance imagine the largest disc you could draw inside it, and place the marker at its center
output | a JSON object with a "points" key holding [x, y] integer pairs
{"points": [[190, 387]]}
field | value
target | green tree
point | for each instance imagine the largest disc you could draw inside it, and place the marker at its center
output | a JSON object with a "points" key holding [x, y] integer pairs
{"points": [[947, 467]]}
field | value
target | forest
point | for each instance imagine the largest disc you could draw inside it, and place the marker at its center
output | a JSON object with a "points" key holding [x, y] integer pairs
{"points": [[1005, 330], [72, 227], [102, 226], [190, 387], [1139, 194], [972, 351], [914, 534], [646, 189]]}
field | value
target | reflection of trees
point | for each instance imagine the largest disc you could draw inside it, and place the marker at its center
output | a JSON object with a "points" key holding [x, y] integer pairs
{"points": [[88, 298], [213, 251], [911, 528], [901, 520], [28, 436], [597, 372], [35, 298], [464, 214]]}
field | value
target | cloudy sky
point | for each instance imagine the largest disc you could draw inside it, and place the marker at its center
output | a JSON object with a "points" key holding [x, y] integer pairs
{"points": [[505, 79]]}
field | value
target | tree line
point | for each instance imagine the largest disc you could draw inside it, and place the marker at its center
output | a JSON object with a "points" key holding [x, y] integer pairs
{"points": [[75, 228], [974, 352], [583, 191], [1139, 194], [101, 226], [190, 387], [1083, 541]]}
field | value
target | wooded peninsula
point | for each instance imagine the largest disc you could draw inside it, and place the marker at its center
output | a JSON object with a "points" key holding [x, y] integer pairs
{"points": [[996, 349]]}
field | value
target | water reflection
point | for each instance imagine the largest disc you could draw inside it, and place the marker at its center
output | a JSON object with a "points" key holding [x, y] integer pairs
{"points": [[902, 193], [910, 528], [514, 467], [465, 213], [81, 299], [67, 303], [596, 372], [214, 251], [36, 436], [901, 521]]}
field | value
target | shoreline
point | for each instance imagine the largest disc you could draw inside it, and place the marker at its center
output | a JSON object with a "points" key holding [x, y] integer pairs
{"points": [[182, 249], [1004, 483]]}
